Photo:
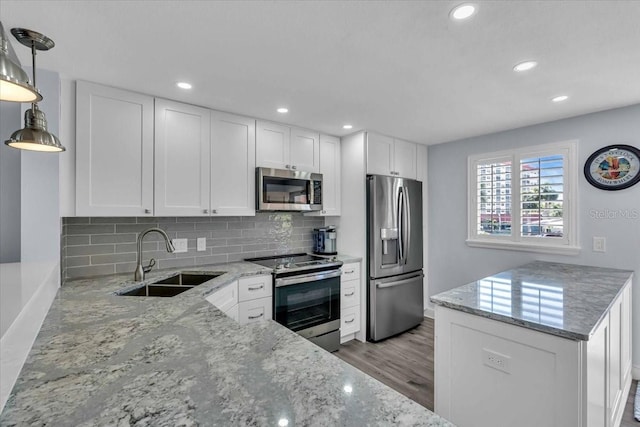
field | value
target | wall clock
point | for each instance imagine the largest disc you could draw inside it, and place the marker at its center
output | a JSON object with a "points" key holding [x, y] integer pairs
{"points": [[614, 167]]}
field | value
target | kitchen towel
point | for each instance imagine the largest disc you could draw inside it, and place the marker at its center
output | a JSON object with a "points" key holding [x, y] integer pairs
{"points": [[636, 404]]}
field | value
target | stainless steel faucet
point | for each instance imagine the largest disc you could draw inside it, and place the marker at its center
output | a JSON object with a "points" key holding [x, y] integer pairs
{"points": [[140, 270]]}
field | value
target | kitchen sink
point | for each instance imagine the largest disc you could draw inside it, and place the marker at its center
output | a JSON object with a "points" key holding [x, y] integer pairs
{"points": [[157, 291], [187, 279], [171, 286]]}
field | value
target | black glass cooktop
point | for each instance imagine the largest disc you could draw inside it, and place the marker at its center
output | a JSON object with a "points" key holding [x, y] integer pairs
{"points": [[289, 262]]}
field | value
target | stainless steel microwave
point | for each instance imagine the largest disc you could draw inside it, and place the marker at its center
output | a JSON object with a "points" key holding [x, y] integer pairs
{"points": [[288, 190]]}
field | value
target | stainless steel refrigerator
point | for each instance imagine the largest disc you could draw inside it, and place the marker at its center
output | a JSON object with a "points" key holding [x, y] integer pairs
{"points": [[394, 242]]}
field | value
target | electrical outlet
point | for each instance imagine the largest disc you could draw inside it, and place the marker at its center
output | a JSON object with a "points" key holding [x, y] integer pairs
{"points": [[599, 244], [496, 360], [180, 245], [202, 244]]}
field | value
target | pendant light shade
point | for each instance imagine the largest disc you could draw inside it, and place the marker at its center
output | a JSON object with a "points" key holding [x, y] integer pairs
{"points": [[34, 136], [14, 81]]}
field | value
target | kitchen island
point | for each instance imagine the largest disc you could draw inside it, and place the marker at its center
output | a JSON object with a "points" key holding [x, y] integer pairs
{"points": [[544, 344], [102, 359]]}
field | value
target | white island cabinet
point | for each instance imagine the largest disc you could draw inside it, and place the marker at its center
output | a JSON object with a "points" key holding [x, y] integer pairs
{"points": [[544, 344]]}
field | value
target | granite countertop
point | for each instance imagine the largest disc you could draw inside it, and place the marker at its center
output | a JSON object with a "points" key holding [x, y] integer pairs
{"points": [[107, 360], [560, 299]]}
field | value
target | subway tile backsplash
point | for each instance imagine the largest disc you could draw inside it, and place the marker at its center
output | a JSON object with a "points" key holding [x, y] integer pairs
{"points": [[98, 246]]}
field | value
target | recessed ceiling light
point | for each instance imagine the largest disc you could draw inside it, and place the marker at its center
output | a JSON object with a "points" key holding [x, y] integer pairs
{"points": [[462, 11], [183, 85], [347, 127], [560, 98], [283, 110], [524, 66]]}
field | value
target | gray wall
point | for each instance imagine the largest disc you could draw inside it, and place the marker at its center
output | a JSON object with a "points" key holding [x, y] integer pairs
{"points": [[452, 263], [40, 211], [99, 246], [10, 121]]}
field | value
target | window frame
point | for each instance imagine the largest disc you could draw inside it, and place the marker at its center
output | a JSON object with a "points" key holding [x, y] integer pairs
{"points": [[568, 243]]}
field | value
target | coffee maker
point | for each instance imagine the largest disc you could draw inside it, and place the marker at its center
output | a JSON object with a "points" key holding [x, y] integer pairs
{"points": [[325, 241]]}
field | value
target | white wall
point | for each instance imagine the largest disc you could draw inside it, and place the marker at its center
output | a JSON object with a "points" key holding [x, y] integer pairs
{"points": [[452, 263]]}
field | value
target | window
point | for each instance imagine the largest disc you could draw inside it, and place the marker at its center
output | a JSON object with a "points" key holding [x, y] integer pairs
{"points": [[524, 199]]}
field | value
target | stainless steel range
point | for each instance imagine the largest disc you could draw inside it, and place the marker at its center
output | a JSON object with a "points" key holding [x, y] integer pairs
{"points": [[306, 296]]}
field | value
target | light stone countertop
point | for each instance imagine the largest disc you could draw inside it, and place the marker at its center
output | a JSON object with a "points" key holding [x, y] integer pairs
{"points": [[107, 360], [561, 299]]}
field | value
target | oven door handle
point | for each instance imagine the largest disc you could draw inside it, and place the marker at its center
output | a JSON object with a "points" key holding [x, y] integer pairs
{"points": [[305, 278]]}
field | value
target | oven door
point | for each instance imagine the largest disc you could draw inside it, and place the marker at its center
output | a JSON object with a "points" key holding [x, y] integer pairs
{"points": [[308, 304]]}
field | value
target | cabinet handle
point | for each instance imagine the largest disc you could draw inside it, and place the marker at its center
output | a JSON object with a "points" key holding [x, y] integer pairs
{"points": [[147, 211], [350, 295], [349, 321], [324, 212], [294, 167], [214, 211], [256, 289], [349, 272], [287, 166], [256, 317], [205, 211]]}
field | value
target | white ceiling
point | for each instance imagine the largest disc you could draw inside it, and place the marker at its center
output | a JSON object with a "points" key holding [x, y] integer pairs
{"points": [[402, 68]]}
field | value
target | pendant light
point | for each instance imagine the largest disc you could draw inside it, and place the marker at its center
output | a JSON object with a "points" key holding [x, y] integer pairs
{"points": [[14, 81], [34, 136]]}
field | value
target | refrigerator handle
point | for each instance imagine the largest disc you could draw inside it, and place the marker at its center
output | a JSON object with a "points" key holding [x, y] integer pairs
{"points": [[400, 225], [406, 226]]}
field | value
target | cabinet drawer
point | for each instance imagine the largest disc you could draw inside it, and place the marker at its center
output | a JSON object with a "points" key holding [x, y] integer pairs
{"points": [[254, 310], [349, 293], [349, 320], [226, 297], [254, 287], [351, 271]]}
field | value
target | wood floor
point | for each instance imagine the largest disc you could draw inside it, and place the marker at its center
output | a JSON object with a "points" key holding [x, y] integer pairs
{"points": [[405, 363]]}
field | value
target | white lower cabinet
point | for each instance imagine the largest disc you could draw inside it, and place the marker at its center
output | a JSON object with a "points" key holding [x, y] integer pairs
{"points": [[349, 301], [246, 300], [254, 310], [492, 374], [349, 321]]}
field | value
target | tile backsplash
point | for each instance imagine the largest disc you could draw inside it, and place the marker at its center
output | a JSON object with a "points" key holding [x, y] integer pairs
{"points": [[100, 246]]}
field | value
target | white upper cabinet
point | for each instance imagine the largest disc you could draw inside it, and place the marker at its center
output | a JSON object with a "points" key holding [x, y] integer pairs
{"points": [[304, 150], [181, 159], [272, 145], [331, 176], [233, 163], [389, 156], [282, 147], [405, 157], [114, 152], [379, 154]]}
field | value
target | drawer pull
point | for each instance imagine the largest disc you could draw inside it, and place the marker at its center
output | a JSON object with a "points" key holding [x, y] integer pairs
{"points": [[256, 289], [350, 295], [349, 272], [256, 317], [349, 321]]}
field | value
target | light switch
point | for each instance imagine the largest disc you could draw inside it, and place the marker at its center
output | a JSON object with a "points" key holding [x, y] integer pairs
{"points": [[599, 244], [202, 244]]}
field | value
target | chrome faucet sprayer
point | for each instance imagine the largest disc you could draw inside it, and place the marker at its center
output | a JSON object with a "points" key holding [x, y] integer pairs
{"points": [[140, 270]]}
